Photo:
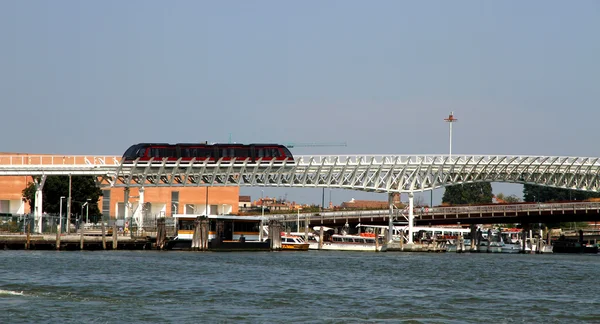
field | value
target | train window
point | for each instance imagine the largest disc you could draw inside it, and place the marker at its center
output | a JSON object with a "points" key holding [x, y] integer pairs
{"points": [[186, 152], [168, 152], [227, 152], [242, 152], [204, 152], [260, 152], [141, 152], [275, 152]]}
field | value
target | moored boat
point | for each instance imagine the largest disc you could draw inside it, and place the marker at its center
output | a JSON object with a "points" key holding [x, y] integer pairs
{"points": [[293, 242]]}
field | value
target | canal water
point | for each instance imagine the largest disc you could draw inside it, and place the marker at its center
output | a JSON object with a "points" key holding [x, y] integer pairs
{"points": [[303, 287]]}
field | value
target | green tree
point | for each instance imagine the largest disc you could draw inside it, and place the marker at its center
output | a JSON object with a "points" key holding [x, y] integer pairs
{"points": [[82, 188], [535, 193], [469, 193], [508, 199]]}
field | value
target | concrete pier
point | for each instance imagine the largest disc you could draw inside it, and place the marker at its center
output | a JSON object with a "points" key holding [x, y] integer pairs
{"points": [[70, 242]]}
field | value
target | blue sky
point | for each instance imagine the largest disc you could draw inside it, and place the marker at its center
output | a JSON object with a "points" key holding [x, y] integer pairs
{"points": [[83, 77]]}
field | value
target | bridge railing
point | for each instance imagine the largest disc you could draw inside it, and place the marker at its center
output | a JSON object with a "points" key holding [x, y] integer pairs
{"points": [[20, 160], [508, 209], [425, 213]]}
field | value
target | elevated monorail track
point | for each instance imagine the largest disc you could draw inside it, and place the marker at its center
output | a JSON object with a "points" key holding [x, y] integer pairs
{"points": [[375, 173]]}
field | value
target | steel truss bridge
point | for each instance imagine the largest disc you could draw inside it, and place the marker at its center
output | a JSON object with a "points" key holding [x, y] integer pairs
{"points": [[374, 173]]}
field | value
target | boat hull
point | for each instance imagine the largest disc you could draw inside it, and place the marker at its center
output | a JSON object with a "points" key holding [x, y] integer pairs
{"points": [[295, 246]]}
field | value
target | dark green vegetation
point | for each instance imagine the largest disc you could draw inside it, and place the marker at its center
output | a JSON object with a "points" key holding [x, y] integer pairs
{"points": [[82, 188], [470, 193], [533, 193]]}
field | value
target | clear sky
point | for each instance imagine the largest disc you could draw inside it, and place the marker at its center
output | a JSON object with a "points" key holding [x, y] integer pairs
{"points": [[93, 77]]}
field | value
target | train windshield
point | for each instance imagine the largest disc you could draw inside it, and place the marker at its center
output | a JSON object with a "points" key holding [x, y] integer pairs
{"points": [[131, 151], [287, 152]]}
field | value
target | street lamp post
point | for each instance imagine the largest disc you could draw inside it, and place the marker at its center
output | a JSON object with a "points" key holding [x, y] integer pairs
{"points": [[298, 220], [262, 203], [450, 120], [60, 214], [85, 204], [87, 211]]}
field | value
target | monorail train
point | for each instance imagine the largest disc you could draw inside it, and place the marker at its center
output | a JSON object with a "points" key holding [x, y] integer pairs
{"points": [[211, 152]]}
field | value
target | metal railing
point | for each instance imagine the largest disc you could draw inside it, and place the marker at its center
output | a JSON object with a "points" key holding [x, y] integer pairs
{"points": [[20, 160]]}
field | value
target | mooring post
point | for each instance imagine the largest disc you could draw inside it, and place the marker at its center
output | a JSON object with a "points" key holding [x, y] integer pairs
{"points": [[103, 235], [275, 235], [204, 226], [161, 233], [81, 237], [321, 238], [114, 236], [197, 236], [473, 237], [524, 238], [306, 228], [27, 229], [57, 237], [376, 239]]}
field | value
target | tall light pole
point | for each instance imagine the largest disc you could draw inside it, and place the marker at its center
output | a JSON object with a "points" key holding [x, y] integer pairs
{"points": [[262, 203], [298, 220], [450, 120], [60, 214], [87, 210]]}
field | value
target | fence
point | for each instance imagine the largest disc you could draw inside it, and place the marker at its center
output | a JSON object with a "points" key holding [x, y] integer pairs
{"points": [[21, 223]]}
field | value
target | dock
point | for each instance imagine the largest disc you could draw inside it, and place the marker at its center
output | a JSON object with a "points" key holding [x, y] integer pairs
{"points": [[72, 242]]}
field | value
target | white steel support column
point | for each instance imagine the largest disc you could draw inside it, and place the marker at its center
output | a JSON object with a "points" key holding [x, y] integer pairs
{"points": [[39, 185], [411, 216], [21, 209], [391, 218], [126, 203], [139, 212]]}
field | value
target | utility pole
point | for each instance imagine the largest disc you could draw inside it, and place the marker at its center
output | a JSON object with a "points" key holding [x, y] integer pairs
{"points": [[69, 208]]}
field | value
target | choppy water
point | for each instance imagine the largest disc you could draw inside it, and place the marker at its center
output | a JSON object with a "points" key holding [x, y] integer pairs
{"points": [[314, 286]]}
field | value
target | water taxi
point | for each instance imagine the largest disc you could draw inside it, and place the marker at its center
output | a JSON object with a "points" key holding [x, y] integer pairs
{"points": [[348, 242], [293, 242]]}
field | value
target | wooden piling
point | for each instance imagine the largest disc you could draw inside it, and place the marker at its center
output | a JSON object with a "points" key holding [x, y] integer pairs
{"points": [[306, 228], [161, 233], [103, 236], [81, 238], [204, 226], [402, 240], [321, 238], [197, 236], [57, 237], [524, 238], [376, 239], [27, 229], [114, 236], [473, 237], [275, 234]]}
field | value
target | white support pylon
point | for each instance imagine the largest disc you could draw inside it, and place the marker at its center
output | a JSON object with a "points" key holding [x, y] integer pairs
{"points": [[411, 216], [391, 218], [138, 216], [38, 207], [126, 203]]}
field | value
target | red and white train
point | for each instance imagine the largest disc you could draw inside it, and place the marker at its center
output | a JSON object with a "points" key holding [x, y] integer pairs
{"points": [[143, 152]]}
